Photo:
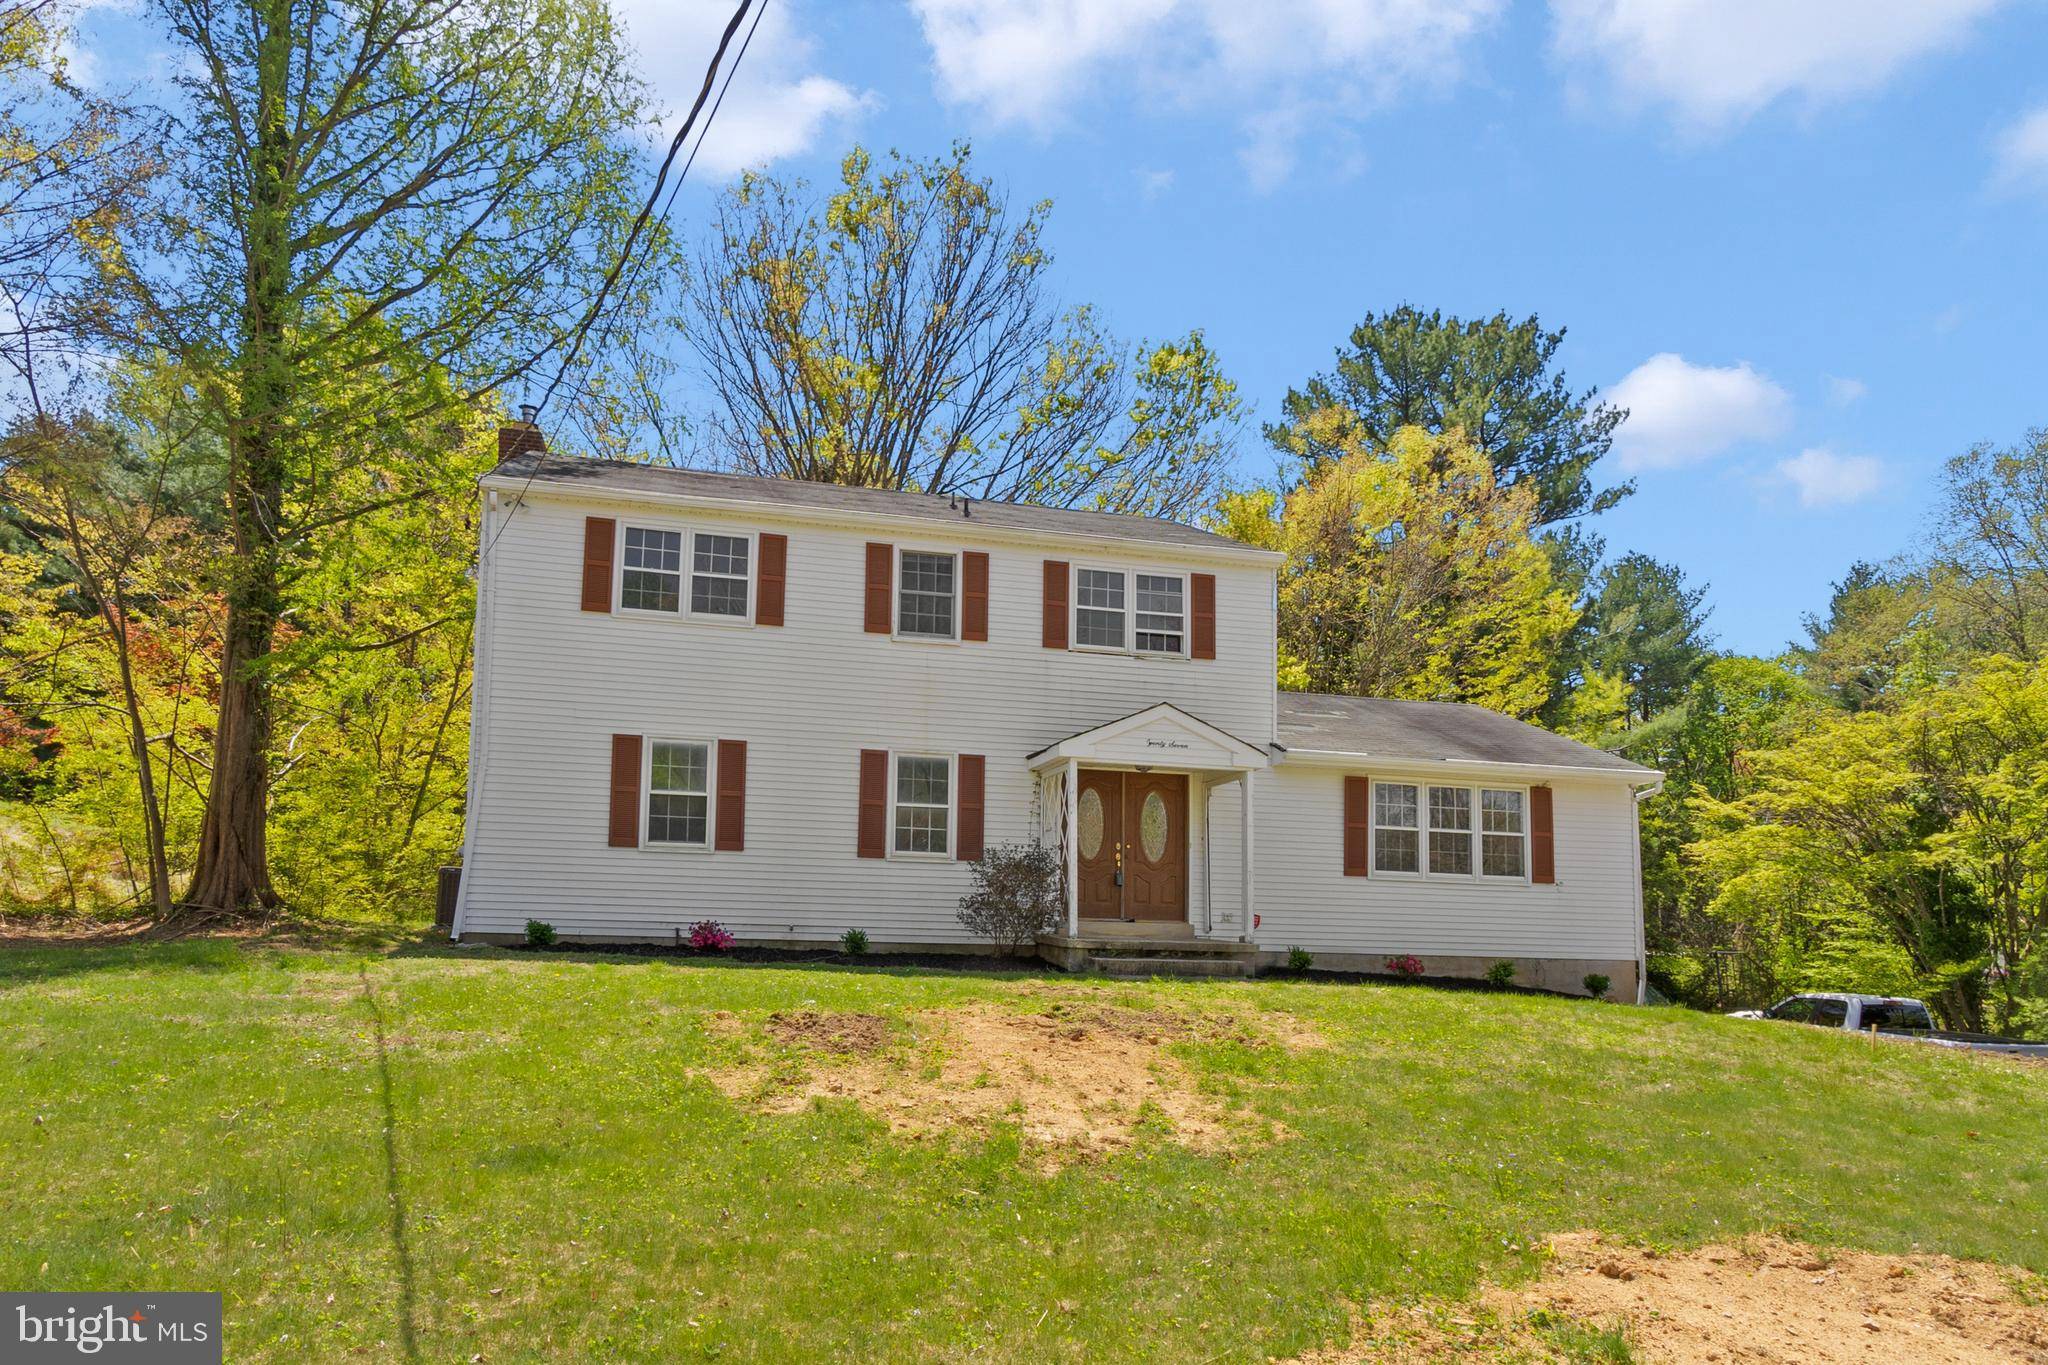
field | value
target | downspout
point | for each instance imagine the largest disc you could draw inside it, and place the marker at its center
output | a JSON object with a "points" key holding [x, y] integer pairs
{"points": [[1641, 795]]}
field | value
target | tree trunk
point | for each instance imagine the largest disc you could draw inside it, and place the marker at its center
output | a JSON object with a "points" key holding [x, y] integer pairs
{"points": [[233, 871]]}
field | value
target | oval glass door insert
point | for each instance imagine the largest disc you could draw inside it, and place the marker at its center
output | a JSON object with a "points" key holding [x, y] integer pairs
{"points": [[1090, 816], [1152, 827]]}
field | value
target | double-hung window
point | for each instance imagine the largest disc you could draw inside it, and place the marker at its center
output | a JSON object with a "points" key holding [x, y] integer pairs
{"points": [[651, 576], [1395, 815], [927, 589], [1502, 834], [1450, 830], [1162, 614], [923, 803], [1100, 618], [718, 575], [679, 794]]}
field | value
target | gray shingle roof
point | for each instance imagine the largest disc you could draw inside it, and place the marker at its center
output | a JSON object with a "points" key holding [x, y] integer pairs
{"points": [[1431, 730], [614, 476]]}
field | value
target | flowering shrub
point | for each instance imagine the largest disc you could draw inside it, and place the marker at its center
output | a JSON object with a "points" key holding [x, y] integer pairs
{"points": [[708, 935], [1407, 965]]}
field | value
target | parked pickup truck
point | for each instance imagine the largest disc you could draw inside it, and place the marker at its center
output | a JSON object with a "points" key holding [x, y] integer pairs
{"points": [[1892, 1016]]}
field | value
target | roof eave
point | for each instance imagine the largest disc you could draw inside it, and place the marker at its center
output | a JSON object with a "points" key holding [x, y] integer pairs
{"points": [[1223, 550], [1393, 762]]}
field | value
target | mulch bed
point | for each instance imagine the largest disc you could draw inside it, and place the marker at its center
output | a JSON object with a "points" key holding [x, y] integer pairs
{"points": [[966, 962]]}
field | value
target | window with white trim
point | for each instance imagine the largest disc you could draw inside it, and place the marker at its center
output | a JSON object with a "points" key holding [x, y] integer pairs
{"points": [[679, 794], [923, 803], [1395, 816], [927, 592], [718, 575], [1450, 830], [651, 576], [1162, 613], [1503, 833], [1099, 609]]}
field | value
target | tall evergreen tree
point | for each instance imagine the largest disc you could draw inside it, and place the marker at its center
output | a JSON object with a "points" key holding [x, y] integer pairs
{"points": [[1648, 628]]}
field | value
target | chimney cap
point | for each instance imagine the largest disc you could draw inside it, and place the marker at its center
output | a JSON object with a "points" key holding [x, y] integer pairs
{"points": [[527, 412]]}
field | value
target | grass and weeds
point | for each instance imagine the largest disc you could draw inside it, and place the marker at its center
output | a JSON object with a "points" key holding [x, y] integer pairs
{"points": [[417, 1152]]}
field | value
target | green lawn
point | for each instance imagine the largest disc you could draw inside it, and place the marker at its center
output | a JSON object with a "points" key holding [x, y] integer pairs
{"points": [[438, 1155]]}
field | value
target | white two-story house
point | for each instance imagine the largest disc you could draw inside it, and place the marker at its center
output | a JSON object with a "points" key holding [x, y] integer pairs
{"points": [[799, 708]]}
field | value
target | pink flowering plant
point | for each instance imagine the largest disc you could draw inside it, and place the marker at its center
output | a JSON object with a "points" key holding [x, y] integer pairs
{"points": [[709, 936], [1408, 966]]}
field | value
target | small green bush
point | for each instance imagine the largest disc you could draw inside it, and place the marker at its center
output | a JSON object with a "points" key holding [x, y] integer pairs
{"points": [[1596, 984], [1300, 959], [1501, 974], [854, 942], [539, 933]]}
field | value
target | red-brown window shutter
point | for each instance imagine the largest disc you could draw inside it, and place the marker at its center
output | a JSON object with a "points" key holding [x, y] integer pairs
{"points": [[973, 776], [1054, 635], [874, 803], [599, 534], [625, 822], [881, 565], [974, 595], [774, 569], [1357, 826], [1542, 837], [1202, 589], [732, 796]]}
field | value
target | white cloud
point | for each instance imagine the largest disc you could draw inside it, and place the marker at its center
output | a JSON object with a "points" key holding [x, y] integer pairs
{"points": [[777, 105], [1680, 413], [1825, 479], [1716, 62], [2022, 155], [1282, 67], [1153, 183], [1846, 392]]}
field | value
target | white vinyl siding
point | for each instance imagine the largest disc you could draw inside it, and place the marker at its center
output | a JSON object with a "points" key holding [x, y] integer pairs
{"points": [[556, 682]]}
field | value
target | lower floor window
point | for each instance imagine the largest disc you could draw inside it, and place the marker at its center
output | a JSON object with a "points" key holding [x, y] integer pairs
{"points": [[1450, 829], [1500, 833], [1445, 831], [923, 802], [679, 793]]}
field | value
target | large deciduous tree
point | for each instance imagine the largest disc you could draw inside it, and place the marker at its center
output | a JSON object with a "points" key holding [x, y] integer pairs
{"points": [[1494, 379], [899, 334], [366, 197], [1410, 573]]}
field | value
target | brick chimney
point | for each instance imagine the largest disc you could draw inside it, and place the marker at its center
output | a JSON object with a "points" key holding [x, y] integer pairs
{"points": [[521, 437]]}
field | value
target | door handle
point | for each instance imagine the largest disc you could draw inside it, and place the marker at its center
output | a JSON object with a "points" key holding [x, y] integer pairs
{"points": [[1119, 862]]}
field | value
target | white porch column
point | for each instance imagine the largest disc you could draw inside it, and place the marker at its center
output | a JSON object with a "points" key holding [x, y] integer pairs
{"points": [[1070, 841], [1245, 815]]}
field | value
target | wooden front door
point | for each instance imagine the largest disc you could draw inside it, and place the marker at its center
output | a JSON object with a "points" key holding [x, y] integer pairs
{"points": [[1099, 836], [1132, 838], [1156, 846]]}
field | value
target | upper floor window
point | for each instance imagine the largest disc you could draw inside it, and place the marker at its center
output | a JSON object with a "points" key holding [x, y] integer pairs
{"points": [[718, 575], [720, 565], [923, 803], [652, 576], [926, 594], [1099, 618], [679, 794], [1162, 614]]}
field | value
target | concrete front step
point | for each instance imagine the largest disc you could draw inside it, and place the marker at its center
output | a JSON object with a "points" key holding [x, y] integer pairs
{"points": [[1238, 965]]}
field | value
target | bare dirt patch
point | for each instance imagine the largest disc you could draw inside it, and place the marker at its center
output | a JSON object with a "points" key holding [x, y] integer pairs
{"points": [[1764, 1299], [1078, 1080]]}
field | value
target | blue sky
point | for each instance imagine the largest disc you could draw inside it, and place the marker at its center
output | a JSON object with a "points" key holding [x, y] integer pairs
{"points": [[1801, 239]]}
